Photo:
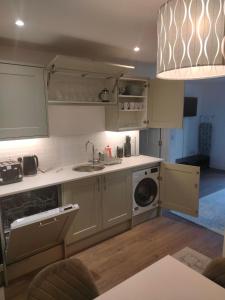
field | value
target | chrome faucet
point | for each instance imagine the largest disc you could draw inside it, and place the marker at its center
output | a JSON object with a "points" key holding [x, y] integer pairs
{"points": [[93, 150]]}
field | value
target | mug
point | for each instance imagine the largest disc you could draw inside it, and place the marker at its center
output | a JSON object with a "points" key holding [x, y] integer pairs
{"points": [[121, 106], [132, 105], [126, 105]]}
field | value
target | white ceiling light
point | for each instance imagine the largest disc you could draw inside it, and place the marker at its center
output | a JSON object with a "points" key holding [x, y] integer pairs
{"points": [[191, 39], [136, 49], [19, 23]]}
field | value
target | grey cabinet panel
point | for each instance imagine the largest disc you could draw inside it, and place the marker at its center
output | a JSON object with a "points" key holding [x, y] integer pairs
{"points": [[116, 198], [165, 103], [23, 106], [86, 193]]}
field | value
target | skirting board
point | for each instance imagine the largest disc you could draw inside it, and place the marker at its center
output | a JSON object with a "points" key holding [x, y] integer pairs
{"points": [[145, 216]]}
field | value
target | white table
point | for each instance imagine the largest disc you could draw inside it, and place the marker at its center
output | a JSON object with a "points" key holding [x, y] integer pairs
{"points": [[167, 279]]}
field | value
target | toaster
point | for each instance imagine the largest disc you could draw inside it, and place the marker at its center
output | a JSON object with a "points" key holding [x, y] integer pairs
{"points": [[10, 172]]}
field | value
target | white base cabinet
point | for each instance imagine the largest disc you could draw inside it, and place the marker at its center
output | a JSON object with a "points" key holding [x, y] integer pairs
{"points": [[86, 193], [104, 201], [116, 198]]}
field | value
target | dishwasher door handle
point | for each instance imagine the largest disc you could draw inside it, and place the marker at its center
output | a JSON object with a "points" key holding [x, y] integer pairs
{"points": [[43, 224]]}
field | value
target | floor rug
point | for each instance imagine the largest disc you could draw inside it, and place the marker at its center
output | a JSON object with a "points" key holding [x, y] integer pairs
{"points": [[192, 259], [211, 212]]}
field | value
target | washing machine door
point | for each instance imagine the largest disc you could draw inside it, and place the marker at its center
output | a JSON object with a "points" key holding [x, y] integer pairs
{"points": [[145, 192]]}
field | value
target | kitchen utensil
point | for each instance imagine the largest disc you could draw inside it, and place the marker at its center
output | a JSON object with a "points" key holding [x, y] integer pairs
{"points": [[134, 89], [119, 152], [132, 105], [126, 105], [137, 105], [122, 90], [30, 165], [104, 95], [112, 161], [127, 147], [108, 152], [10, 172], [121, 106]]}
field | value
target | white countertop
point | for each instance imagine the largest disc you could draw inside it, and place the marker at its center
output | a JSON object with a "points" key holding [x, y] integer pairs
{"points": [[167, 279], [66, 174]]}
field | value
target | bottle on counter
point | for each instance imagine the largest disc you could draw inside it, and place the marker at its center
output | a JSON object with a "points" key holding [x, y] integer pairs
{"points": [[127, 147], [108, 152]]}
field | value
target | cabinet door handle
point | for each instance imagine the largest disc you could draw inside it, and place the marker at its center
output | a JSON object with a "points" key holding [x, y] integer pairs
{"points": [[104, 183]]}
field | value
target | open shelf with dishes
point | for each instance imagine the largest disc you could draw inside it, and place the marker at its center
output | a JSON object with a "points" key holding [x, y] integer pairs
{"points": [[80, 89], [74, 80], [130, 113]]}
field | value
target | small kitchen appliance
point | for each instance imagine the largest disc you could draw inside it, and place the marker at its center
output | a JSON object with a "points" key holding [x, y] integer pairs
{"points": [[10, 172], [145, 194], [30, 165], [104, 95]]}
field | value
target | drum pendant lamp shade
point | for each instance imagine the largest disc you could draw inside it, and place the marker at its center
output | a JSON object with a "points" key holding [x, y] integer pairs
{"points": [[191, 39]]}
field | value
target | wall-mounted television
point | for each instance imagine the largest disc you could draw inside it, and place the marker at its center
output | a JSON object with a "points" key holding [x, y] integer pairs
{"points": [[190, 106]]}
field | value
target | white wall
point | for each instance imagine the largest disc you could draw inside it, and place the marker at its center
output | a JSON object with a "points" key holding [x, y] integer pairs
{"points": [[70, 126]]}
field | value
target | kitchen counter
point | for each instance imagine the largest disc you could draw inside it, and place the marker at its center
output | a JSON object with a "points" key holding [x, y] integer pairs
{"points": [[66, 174]]}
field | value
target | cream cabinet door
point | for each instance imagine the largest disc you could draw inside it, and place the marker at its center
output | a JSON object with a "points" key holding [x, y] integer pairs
{"points": [[86, 193], [116, 198], [165, 104], [23, 106], [179, 188]]}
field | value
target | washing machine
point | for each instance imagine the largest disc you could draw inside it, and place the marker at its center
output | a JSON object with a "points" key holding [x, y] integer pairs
{"points": [[145, 190]]}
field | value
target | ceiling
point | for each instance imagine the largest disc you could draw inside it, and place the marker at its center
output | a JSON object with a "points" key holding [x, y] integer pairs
{"points": [[84, 27]]}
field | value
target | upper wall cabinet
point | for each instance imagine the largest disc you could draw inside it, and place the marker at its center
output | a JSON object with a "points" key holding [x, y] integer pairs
{"points": [[75, 80], [23, 109], [146, 103], [165, 104], [131, 111]]}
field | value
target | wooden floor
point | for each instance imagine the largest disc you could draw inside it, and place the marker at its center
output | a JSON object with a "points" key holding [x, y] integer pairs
{"points": [[120, 257]]}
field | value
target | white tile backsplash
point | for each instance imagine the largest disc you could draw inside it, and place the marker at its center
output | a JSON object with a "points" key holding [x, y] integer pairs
{"points": [[70, 128], [65, 150]]}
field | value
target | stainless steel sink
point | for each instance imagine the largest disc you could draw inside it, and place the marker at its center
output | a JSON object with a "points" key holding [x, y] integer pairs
{"points": [[88, 168]]}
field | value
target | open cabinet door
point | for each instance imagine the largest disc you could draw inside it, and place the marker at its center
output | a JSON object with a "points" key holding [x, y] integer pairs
{"points": [[179, 188], [166, 104], [39, 232]]}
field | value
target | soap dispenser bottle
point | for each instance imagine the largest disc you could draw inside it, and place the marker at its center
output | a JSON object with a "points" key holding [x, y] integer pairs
{"points": [[127, 147]]}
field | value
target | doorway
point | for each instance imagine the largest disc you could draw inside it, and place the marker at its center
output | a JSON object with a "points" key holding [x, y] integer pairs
{"points": [[201, 142]]}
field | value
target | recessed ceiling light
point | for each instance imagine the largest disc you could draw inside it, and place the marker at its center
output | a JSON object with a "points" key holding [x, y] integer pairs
{"points": [[19, 23], [136, 49]]}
